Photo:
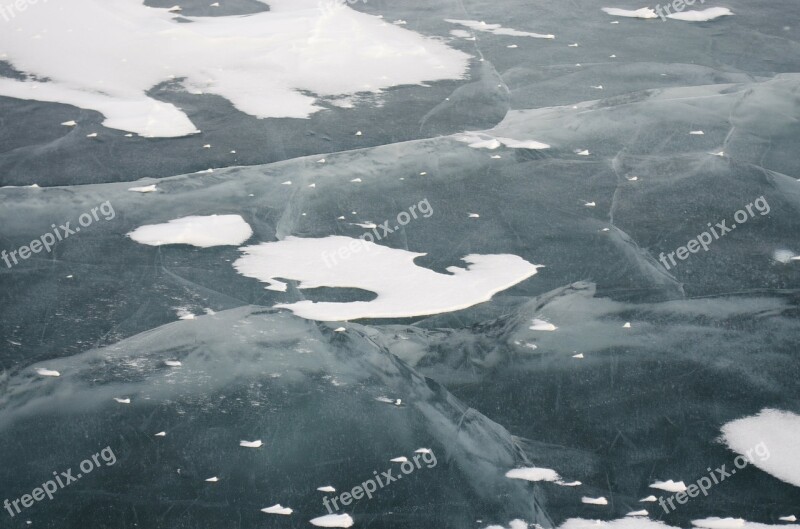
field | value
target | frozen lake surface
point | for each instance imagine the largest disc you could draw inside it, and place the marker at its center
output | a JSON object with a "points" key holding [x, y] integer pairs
{"points": [[389, 264]]}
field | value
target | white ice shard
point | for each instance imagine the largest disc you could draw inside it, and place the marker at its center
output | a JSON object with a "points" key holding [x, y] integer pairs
{"points": [[43, 372], [644, 12], [594, 501], [278, 509], [533, 474], [333, 520], [669, 486], [704, 15], [144, 189]]}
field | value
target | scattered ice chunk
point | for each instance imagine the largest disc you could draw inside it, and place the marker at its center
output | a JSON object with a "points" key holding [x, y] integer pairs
{"points": [[287, 183], [584, 152], [791, 518], [542, 325], [144, 189], [644, 12], [648, 499], [632, 178], [669, 486], [123, 400], [400, 459], [333, 520], [251, 444], [174, 9], [697, 132], [613, 56], [339, 329], [69, 123], [575, 45], [161, 434], [207, 146], [719, 523], [589, 204], [278, 509], [173, 363], [326, 488], [627, 325], [705, 15], [533, 474], [594, 501], [512, 46], [598, 87], [356, 180], [92, 135], [213, 480], [358, 133], [643, 512], [578, 356], [497, 29], [42, 372], [423, 451], [203, 232], [720, 153], [485, 141], [770, 440], [569, 483], [474, 216]]}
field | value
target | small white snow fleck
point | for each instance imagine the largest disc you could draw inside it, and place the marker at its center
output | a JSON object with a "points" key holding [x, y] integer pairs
{"points": [[251, 444], [42, 372]]}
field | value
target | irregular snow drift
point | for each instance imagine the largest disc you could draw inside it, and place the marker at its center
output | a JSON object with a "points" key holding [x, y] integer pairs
{"points": [[403, 288], [261, 63], [712, 13], [205, 232], [497, 29], [779, 431]]}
